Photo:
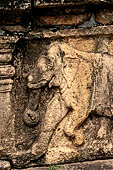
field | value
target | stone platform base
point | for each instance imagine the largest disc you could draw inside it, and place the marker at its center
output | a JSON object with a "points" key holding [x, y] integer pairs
{"points": [[89, 165]]}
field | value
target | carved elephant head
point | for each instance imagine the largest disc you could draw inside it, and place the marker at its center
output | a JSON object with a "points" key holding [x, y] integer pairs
{"points": [[47, 69]]}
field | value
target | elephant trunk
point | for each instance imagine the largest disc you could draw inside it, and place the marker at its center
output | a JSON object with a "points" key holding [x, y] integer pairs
{"points": [[31, 115]]}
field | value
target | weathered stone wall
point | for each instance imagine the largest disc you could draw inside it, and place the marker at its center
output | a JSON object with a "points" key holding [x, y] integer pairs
{"points": [[56, 78]]}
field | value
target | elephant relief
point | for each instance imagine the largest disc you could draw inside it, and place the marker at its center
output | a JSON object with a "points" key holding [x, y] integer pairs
{"points": [[74, 75]]}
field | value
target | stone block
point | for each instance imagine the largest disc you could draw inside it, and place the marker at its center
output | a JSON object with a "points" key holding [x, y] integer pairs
{"points": [[104, 16], [62, 20]]}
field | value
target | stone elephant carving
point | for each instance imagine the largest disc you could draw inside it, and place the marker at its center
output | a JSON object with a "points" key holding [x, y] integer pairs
{"points": [[73, 74], [58, 69]]}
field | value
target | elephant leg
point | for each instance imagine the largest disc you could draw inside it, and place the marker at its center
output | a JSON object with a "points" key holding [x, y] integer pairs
{"points": [[72, 130], [38, 149], [41, 145], [31, 115], [55, 112]]}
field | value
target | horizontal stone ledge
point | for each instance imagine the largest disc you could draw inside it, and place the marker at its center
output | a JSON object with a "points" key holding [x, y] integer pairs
{"points": [[89, 165], [8, 39], [4, 58], [14, 28], [44, 3], [6, 85], [26, 4], [100, 30], [6, 81], [5, 45], [5, 50], [7, 71]]}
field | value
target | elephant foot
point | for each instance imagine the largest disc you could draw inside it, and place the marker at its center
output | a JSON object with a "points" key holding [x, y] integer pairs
{"points": [[21, 158], [75, 136]]}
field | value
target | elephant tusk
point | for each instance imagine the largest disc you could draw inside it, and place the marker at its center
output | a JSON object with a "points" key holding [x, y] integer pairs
{"points": [[37, 85]]}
